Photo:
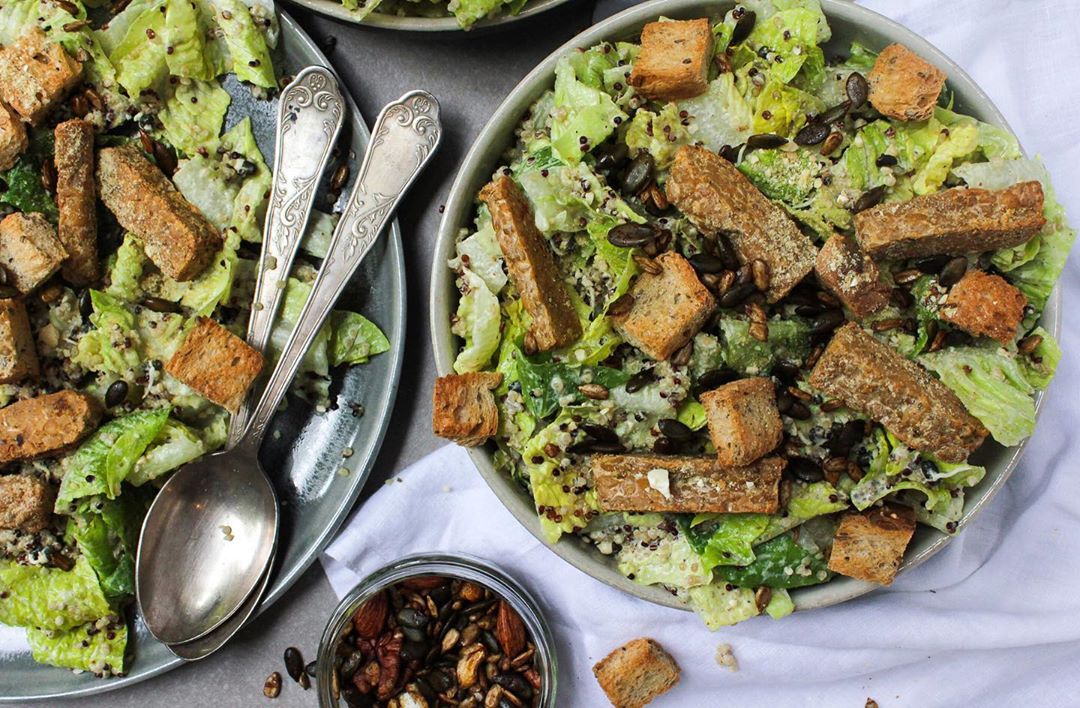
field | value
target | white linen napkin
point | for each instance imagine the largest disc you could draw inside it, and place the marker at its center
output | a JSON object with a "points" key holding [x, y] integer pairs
{"points": [[993, 620]]}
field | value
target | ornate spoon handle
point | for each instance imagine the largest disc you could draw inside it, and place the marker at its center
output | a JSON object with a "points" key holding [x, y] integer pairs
{"points": [[310, 114], [406, 134]]}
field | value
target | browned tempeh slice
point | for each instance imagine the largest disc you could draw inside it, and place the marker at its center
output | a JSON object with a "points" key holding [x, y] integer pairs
{"points": [[26, 503], [716, 197], [531, 266], [870, 546], [954, 222], [18, 353], [46, 424], [874, 379], [643, 482], [76, 200], [176, 236]]}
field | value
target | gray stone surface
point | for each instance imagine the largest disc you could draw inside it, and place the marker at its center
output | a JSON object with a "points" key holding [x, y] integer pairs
{"points": [[470, 75]]}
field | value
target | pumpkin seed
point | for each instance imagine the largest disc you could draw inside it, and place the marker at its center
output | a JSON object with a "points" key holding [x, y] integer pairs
{"points": [[705, 263], [736, 294], [804, 470], [764, 141], [857, 89], [674, 429], [812, 134], [632, 235], [869, 198], [638, 172], [743, 27], [953, 271]]}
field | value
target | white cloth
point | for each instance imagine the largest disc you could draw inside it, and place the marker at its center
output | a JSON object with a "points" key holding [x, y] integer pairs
{"points": [[993, 620]]}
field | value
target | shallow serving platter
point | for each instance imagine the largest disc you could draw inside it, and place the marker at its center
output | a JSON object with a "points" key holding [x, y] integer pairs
{"points": [[302, 453], [334, 8], [849, 23]]}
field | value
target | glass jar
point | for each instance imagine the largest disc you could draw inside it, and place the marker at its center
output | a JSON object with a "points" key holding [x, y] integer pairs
{"points": [[460, 566]]}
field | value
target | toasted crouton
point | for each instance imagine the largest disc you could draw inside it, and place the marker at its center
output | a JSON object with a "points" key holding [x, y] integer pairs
{"points": [[18, 356], [674, 60], [870, 546], [903, 85], [463, 407], [75, 197], [986, 305], [851, 275], [873, 378], [954, 222], [25, 503], [636, 673], [29, 250], [13, 140], [669, 308], [216, 363], [47, 424], [744, 423], [716, 197], [531, 266], [681, 484], [176, 236], [35, 74]]}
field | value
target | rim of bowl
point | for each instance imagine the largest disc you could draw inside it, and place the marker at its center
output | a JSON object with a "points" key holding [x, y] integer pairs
{"points": [[495, 137], [459, 565], [399, 23]]}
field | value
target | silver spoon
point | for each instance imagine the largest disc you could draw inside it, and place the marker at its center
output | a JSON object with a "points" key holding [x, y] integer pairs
{"points": [[210, 534], [310, 113]]}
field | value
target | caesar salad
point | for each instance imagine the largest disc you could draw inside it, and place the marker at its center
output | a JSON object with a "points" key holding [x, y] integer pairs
{"points": [[131, 209], [737, 312]]}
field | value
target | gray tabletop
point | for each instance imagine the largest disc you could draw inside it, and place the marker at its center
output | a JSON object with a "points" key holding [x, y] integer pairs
{"points": [[469, 75]]}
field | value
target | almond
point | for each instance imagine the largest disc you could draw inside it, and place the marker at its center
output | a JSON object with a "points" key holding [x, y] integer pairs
{"points": [[509, 631], [370, 618]]}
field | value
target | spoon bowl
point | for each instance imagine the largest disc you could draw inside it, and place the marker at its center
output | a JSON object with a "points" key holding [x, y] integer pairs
{"points": [[214, 527]]}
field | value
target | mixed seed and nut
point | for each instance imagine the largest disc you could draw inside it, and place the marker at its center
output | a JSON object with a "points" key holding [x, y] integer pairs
{"points": [[436, 641]]}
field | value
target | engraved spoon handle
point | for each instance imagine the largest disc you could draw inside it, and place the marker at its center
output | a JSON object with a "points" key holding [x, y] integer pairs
{"points": [[310, 114], [406, 134]]}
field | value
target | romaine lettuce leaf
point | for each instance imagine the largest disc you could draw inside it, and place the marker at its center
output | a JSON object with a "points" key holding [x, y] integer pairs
{"points": [[782, 109], [991, 385], [354, 338], [139, 61], [50, 598], [1040, 364], [962, 141], [247, 45], [468, 12], [83, 648], [724, 539], [546, 384], [659, 134], [193, 114], [672, 562], [788, 339], [584, 116], [107, 457], [186, 33], [784, 176], [477, 322], [174, 445], [792, 35], [106, 532], [112, 346], [562, 508], [779, 563], [21, 187], [720, 116], [249, 207], [720, 607], [481, 253], [126, 269]]}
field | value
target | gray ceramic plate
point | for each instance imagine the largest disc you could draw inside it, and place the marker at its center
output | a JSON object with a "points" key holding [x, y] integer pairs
{"points": [[303, 450], [849, 22], [334, 8]]}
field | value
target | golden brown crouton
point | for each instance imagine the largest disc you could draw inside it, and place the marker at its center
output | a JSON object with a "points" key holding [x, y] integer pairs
{"points": [[13, 140], [955, 222], [904, 86], [984, 304], [636, 673], [216, 363], [693, 485], [18, 356], [674, 60], [176, 236], [669, 308], [463, 407], [29, 250], [874, 379], [870, 546], [75, 197], [744, 424], [46, 424], [531, 266], [716, 197], [35, 74], [851, 275], [25, 503]]}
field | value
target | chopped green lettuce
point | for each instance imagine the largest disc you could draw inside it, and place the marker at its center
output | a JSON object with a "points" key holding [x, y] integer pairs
{"points": [[83, 648], [546, 385], [174, 445], [477, 322], [111, 346], [720, 116], [784, 176], [468, 12], [788, 339], [21, 187], [992, 387], [562, 508], [193, 114], [126, 269], [962, 140], [780, 604], [584, 115], [140, 61], [569, 198], [724, 539], [672, 562], [107, 457], [779, 563], [188, 34], [481, 253], [720, 607], [791, 36], [1040, 364], [247, 45], [782, 109], [659, 134], [106, 533], [354, 339], [50, 598]]}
